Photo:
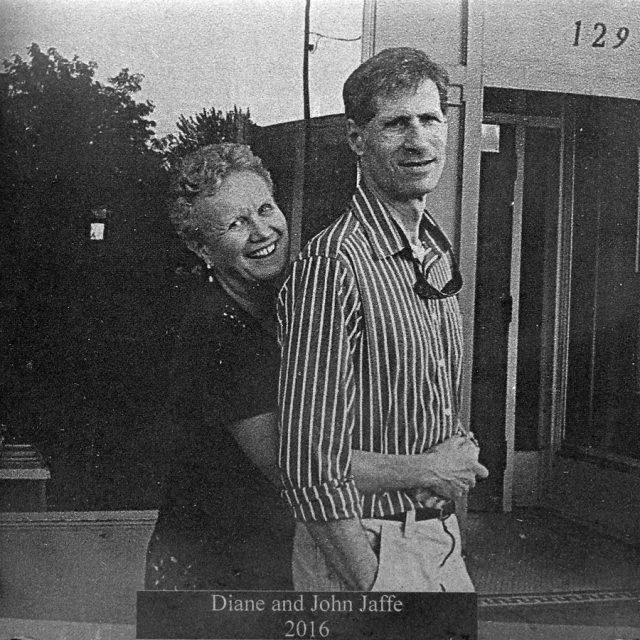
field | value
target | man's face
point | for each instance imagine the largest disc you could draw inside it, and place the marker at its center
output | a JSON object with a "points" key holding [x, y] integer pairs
{"points": [[402, 148]]}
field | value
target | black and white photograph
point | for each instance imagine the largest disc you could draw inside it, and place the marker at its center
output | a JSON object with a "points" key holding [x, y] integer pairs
{"points": [[320, 319]]}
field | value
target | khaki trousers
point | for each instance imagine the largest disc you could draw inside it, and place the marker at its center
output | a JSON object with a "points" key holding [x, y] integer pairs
{"points": [[412, 556]]}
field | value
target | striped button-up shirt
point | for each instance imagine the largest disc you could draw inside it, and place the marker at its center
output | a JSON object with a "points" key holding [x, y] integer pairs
{"points": [[366, 363]]}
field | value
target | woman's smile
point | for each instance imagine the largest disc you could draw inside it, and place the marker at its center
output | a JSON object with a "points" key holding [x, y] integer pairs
{"points": [[264, 252]]}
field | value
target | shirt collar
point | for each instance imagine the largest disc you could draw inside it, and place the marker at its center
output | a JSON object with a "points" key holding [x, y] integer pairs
{"points": [[385, 235]]}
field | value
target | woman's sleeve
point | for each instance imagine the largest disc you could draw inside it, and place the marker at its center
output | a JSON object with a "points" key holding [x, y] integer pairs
{"points": [[241, 374], [221, 373]]}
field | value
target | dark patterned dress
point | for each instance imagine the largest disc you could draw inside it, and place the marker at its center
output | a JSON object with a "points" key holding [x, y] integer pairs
{"points": [[221, 524]]}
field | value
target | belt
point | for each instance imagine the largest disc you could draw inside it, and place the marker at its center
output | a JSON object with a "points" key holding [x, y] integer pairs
{"points": [[424, 513]]}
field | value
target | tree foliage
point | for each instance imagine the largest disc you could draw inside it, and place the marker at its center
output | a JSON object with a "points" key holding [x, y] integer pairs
{"points": [[86, 325], [207, 127], [69, 144]]}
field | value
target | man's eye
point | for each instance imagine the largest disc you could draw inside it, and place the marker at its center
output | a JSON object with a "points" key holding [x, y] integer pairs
{"points": [[398, 123], [238, 223], [266, 208], [431, 121]]}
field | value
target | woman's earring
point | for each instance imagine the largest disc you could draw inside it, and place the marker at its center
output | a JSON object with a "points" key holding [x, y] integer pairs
{"points": [[210, 272]]}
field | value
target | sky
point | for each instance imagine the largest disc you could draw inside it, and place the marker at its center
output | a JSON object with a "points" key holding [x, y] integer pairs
{"points": [[200, 53]]}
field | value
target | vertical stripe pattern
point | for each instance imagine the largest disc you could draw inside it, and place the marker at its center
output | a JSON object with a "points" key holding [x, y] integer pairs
{"points": [[366, 363]]}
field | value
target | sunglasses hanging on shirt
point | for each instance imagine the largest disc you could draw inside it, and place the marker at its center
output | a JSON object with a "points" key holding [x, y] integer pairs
{"points": [[426, 291], [422, 287]]}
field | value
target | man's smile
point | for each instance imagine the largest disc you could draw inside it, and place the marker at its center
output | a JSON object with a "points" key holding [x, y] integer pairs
{"points": [[417, 164]]}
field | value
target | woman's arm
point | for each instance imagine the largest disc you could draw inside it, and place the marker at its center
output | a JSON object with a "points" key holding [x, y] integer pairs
{"points": [[373, 472], [258, 438]]}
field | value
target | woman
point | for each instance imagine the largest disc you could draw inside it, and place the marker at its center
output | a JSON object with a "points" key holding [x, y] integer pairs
{"points": [[221, 524]]}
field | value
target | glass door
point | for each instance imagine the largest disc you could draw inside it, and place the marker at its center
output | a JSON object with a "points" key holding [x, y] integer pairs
{"points": [[603, 373]]}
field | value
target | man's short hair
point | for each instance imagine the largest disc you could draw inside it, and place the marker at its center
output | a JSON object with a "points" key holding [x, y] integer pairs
{"points": [[388, 74]]}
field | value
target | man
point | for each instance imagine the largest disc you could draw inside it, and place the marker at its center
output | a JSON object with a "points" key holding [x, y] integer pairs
{"points": [[371, 353]]}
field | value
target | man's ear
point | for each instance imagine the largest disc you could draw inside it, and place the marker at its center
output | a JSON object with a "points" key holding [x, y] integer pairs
{"points": [[355, 137]]}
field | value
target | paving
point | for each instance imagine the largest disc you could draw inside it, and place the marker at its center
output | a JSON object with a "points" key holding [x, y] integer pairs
{"points": [[540, 576]]}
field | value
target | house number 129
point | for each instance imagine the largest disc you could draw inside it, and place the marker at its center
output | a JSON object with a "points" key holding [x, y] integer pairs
{"points": [[600, 29]]}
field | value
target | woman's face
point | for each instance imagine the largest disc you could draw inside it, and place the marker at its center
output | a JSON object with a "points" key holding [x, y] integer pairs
{"points": [[248, 241]]}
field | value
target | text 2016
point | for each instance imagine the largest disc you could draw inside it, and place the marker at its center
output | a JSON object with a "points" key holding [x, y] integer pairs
{"points": [[303, 629]]}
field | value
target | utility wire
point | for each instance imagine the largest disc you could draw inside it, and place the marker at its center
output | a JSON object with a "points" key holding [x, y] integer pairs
{"points": [[322, 35], [319, 36]]}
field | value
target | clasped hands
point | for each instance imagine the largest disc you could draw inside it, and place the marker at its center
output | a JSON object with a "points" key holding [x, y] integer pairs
{"points": [[451, 469]]}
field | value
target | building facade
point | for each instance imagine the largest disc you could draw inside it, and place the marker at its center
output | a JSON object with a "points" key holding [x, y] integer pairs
{"points": [[541, 200]]}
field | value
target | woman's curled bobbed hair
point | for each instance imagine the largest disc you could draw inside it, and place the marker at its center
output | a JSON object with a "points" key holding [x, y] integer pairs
{"points": [[200, 174]]}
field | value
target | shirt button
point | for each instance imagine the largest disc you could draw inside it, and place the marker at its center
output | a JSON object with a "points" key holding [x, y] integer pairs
{"points": [[447, 412], [441, 362]]}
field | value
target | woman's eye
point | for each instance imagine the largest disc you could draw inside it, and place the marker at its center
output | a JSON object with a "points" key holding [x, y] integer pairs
{"points": [[266, 208], [237, 224]]}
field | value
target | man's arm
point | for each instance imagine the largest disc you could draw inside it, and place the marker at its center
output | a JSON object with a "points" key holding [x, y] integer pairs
{"points": [[318, 312], [448, 470]]}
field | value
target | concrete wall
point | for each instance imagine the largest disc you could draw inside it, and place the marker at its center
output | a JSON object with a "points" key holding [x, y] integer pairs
{"points": [[73, 566]]}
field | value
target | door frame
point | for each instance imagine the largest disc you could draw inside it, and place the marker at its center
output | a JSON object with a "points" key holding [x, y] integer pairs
{"points": [[564, 261], [528, 469]]}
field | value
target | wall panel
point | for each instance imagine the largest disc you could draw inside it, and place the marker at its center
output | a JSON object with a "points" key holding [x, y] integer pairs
{"points": [[437, 27], [581, 46]]}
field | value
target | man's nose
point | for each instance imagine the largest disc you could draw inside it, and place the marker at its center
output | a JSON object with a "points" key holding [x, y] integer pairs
{"points": [[417, 136]]}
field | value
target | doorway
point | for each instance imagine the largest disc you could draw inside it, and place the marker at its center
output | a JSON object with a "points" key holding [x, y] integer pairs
{"points": [[519, 209], [603, 369], [556, 378]]}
